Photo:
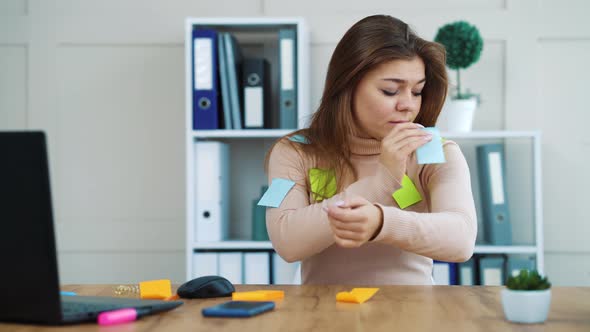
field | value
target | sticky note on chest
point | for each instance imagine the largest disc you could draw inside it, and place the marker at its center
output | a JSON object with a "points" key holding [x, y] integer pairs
{"points": [[408, 194], [431, 152], [274, 196], [323, 183]]}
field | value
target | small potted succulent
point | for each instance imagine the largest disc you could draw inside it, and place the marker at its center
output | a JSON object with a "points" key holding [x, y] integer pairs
{"points": [[463, 45], [527, 297]]}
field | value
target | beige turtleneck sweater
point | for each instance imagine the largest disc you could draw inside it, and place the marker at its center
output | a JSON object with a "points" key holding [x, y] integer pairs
{"points": [[442, 226]]}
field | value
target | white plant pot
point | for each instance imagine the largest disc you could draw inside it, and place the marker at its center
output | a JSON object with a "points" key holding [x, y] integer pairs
{"points": [[522, 306], [457, 115]]}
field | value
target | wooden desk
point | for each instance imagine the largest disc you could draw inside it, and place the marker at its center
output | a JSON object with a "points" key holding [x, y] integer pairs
{"points": [[393, 308]]}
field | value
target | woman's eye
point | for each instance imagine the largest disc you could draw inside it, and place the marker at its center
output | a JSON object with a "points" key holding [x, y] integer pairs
{"points": [[389, 93], [417, 93]]}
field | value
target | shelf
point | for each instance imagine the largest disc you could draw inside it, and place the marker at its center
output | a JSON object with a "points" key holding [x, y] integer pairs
{"points": [[484, 249], [239, 245], [490, 134], [276, 133], [246, 133], [245, 245]]}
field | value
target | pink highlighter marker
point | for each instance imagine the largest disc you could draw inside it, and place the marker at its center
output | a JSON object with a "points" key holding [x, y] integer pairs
{"points": [[121, 316]]}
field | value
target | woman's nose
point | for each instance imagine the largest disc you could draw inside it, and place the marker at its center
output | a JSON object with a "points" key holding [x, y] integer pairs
{"points": [[404, 101]]}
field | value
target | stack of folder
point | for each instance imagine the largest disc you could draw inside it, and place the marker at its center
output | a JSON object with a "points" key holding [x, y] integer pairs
{"points": [[231, 91]]}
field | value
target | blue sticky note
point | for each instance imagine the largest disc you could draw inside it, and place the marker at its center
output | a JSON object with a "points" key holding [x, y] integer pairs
{"points": [[67, 293], [277, 191], [299, 139], [431, 152]]}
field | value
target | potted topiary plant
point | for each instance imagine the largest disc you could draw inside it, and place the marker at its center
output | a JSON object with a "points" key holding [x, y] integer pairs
{"points": [[463, 45], [527, 297]]}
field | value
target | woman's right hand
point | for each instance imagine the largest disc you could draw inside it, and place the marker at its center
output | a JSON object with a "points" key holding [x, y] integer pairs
{"points": [[397, 146]]}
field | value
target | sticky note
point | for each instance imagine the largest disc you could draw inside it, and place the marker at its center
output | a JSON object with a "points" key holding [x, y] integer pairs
{"points": [[155, 289], [356, 295], [407, 195], [431, 152], [299, 139], [323, 183], [259, 295], [277, 191]]}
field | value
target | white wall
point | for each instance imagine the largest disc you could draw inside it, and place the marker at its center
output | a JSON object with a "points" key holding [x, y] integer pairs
{"points": [[105, 79]]}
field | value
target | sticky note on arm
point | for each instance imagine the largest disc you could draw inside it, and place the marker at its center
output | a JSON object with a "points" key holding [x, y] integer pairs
{"points": [[276, 193], [431, 152], [299, 139]]}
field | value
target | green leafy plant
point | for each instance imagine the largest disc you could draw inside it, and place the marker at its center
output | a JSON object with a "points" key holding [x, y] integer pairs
{"points": [[528, 280], [463, 45]]}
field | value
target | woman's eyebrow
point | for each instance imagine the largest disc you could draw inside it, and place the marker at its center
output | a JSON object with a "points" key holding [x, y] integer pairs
{"points": [[399, 80]]}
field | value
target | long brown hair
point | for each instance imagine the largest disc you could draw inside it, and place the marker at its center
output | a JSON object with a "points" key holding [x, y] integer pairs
{"points": [[368, 43]]}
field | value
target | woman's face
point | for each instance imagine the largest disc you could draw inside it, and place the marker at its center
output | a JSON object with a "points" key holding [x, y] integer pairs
{"points": [[388, 95]]}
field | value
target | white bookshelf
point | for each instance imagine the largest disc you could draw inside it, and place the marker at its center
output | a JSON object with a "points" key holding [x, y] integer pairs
{"points": [[523, 154], [247, 147]]}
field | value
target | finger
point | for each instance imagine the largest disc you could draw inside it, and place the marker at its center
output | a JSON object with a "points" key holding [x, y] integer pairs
{"points": [[398, 128], [346, 243], [347, 235], [345, 215], [349, 226], [407, 134], [355, 202], [411, 144]]}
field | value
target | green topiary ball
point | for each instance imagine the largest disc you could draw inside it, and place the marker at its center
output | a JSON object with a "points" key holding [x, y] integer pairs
{"points": [[462, 42]]}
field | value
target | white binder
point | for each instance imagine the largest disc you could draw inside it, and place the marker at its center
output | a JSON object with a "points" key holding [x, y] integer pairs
{"points": [[230, 266], [285, 273], [212, 191], [256, 269], [205, 264]]}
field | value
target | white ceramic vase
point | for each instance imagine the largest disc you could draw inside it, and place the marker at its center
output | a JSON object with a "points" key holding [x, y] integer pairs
{"points": [[457, 115], [521, 306]]}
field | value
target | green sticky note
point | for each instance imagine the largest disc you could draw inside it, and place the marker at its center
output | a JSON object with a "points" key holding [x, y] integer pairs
{"points": [[407, 195], [323, 183]]}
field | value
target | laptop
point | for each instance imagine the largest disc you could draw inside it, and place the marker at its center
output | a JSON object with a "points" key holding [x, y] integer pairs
{"points": [[29, 282]]}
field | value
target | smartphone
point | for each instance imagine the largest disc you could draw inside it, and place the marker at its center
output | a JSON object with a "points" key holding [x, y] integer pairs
{"points": [[238, 309]]}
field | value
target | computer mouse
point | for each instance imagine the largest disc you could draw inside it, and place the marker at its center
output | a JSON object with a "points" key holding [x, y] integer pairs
{"points": [[206, 287]]}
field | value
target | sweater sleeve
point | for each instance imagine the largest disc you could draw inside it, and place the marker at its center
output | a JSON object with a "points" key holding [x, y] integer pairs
{"points": [[299, 228], [449, 230]]}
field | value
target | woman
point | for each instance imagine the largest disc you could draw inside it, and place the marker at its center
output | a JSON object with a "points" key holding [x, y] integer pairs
{"points": [[384, 84]]}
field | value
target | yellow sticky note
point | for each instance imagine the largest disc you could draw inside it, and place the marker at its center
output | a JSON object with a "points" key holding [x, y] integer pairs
{"points": [[408, 194], [259, 295], [155, 289], [356, 295], [323, 183]]}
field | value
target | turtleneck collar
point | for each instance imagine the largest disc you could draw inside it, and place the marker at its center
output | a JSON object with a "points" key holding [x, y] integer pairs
{"points": [[364, 146]]}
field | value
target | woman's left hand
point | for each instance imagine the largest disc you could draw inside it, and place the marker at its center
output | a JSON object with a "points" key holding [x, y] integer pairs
{"points": [[354, 221]]}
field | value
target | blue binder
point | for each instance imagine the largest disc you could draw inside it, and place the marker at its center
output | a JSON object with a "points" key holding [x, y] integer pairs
{"points": [[288, 78], [494, 202], [491, 270], [224, 82], [467, 273], [204, 76], [234, 65], [444, 273]]}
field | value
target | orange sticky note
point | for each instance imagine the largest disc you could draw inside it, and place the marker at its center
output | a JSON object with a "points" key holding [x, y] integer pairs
{"points": [[155, 289], [259, 295], [356, 295]]}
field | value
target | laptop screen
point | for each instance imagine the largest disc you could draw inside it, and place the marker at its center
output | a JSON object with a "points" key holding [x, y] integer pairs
{"points": [[29, 280]]}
